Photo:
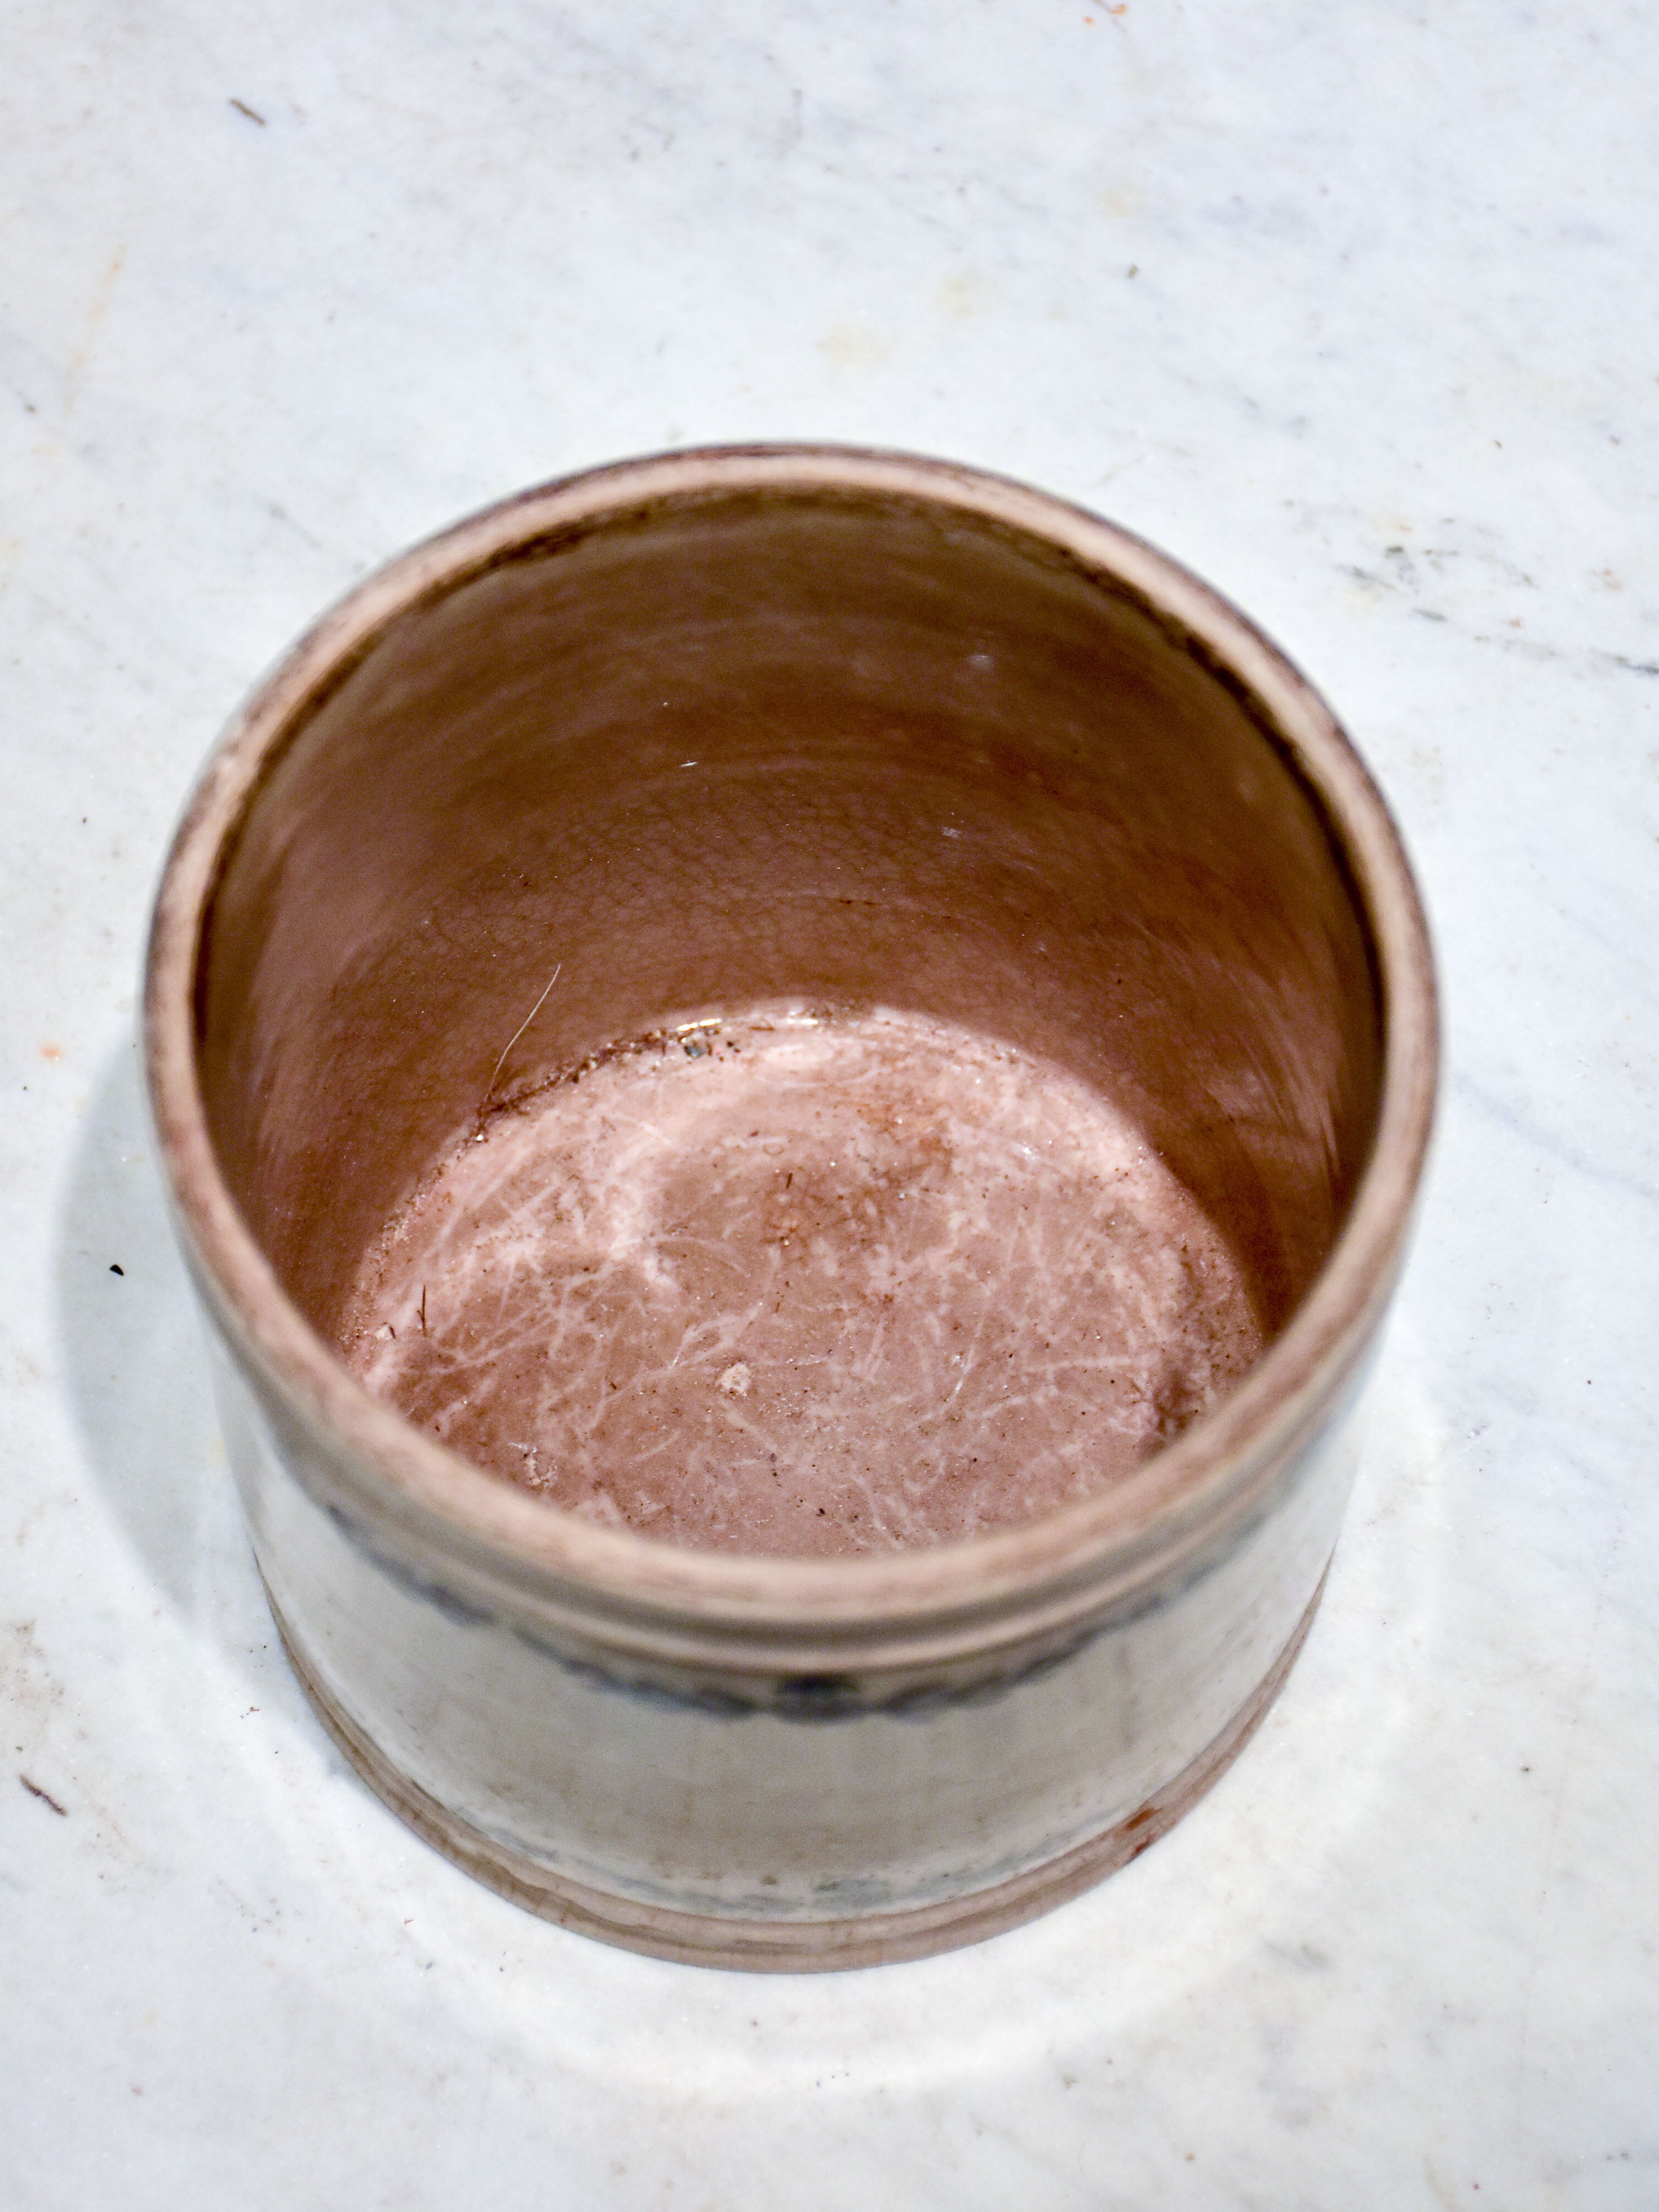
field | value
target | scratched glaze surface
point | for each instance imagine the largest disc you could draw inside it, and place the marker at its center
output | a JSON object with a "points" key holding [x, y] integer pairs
{"points": [[787, 1283]]}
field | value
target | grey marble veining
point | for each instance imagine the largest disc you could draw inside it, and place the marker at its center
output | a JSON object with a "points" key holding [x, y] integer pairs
{"points": [[1350, 309]]}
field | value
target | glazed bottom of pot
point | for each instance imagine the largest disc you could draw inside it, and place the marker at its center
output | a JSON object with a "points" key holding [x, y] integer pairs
{"points": [[795, 1947]]}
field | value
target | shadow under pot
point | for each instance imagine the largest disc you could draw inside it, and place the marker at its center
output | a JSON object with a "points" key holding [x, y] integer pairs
{"points": [[794, 1080]]}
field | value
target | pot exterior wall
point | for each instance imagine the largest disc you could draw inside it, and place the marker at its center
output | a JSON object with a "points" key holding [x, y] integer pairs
{"points": [[789, 1824]]}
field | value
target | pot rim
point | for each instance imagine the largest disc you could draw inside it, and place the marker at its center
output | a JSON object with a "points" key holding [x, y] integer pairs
{"points": [[546, 1560]]}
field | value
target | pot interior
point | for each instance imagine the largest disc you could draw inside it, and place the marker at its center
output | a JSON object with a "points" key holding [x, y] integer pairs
{"points": [[858, 811]]}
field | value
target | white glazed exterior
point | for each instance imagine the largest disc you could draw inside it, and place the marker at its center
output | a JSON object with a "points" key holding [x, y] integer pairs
{"points": [[803, 1825]]}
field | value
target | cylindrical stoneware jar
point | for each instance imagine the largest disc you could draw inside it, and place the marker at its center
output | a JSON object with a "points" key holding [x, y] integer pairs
{"points": [[842, 782]]}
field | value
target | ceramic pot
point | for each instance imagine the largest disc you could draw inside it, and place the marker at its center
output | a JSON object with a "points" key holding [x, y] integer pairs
{"points": [[839, 730]]}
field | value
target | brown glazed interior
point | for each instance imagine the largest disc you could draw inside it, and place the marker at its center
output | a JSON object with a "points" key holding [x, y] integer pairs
{"points": [[1139, 883]]}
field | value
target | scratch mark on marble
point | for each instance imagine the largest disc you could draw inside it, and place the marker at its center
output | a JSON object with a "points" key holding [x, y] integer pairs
{"points": [[282, 514], [45, 1795], [1374, 585], [1556, 1148], [1638, 980], [97, 313]]}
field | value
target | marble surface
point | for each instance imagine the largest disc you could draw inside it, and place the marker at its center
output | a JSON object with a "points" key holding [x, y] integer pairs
{"points": [[1349, 308]]}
